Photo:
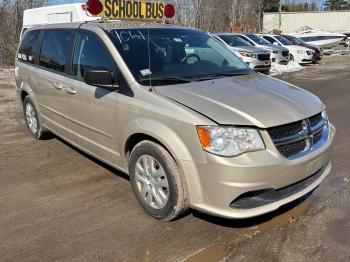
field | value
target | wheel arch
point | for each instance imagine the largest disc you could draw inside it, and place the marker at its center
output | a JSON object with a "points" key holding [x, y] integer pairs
{"points": [[144, 128]]}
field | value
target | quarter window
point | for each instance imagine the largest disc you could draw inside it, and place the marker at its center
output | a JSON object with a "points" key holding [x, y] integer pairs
{"points": [[55, 49], [28, 50], [90, 52]]}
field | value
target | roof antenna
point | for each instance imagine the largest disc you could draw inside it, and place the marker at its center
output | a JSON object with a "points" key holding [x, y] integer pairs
{"points": [[150, 89]]}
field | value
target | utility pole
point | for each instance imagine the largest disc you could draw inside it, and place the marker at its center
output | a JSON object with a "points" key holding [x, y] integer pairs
{"points": [[280, 16]]}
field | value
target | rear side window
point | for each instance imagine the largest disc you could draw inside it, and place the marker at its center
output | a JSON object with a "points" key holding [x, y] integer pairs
{"points": [[90, 52], [55, 49], [28, 50]]}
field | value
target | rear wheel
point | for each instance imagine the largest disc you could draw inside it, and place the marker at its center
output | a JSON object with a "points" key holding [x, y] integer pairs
{"points": [[32, 120], [156, 181]]}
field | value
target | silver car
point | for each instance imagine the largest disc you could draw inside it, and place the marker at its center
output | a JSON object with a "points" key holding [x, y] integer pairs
{"points": [[279, 54], [257, 58], [189, 122]]}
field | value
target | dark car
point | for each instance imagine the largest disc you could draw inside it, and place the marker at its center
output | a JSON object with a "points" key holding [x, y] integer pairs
{"points": [[318, 52]]}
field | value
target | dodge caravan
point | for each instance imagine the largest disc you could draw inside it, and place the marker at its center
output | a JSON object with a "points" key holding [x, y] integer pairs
{"points": [[189, 122]]}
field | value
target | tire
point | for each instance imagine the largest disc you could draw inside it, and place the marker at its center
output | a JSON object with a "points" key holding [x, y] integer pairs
{"points": [[33, 121], [155, 157]]}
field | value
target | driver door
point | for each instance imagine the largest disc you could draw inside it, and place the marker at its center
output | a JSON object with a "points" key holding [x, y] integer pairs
{"points": [[91, 110]]}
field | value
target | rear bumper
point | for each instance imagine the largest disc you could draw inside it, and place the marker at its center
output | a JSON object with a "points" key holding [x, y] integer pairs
{"points": [[221, 181]]}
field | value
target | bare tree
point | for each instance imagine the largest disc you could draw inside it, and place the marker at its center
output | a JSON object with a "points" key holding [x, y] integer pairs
{"points": [[11, 20]]}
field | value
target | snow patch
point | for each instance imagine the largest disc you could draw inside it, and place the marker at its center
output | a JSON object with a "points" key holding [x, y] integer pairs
{"points": [[277, 69]]}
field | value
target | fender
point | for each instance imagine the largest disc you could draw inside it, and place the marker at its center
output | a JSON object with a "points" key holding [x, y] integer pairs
{"points": [[175, 145], [165, 135]]}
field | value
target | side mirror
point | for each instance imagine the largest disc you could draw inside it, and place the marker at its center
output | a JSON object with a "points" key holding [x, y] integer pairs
{"points": [[275, 43], [101, 77]]}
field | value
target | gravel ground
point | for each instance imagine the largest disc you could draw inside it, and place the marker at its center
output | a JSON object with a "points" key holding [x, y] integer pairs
{"points": [[58, 204]]}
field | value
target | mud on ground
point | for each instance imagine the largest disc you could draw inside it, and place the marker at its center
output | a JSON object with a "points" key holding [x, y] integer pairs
{"points": [[58, 204]]}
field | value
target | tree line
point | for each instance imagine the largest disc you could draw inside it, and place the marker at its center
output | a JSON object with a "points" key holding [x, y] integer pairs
{"points": [[211, 16], [11, 20]]}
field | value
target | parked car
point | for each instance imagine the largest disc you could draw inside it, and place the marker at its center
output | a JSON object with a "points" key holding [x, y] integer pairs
{"points": [[317, 51], [278, 54], [346, 40], [299, 54], [189, 122], [257, 58]]}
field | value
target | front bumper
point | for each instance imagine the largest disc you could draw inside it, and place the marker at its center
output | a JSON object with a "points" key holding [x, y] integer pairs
{"points": [[215, 185], [258, 65], [279, 59], [303, 59]]}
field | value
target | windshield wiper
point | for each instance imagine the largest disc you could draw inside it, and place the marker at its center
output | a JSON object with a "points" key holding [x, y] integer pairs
{"points": [[221, 74], [167, 79]]}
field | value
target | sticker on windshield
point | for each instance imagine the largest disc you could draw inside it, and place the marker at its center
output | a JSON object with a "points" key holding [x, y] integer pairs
{"points": [[178, 40], [146, 72]]}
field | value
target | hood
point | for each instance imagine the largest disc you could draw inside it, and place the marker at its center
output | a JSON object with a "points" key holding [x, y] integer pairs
{"points": [[297, 47], [271, 47], [247, 100], [277, 47], [250, 49]]}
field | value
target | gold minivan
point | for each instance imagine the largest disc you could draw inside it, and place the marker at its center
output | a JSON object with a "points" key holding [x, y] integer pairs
{"points": [[189, 122]]}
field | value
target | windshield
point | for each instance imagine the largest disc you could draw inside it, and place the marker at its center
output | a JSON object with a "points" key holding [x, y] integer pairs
{"points": [[159, 56], [259, 40], [234, 40], [283, 40]]}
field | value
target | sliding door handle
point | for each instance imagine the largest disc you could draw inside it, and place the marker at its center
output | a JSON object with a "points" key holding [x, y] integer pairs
{"points": [[70, 91]]}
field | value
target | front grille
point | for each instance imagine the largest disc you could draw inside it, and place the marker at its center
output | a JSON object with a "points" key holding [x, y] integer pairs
{"points": [[286, 130], [263, 57], [314, 120], [294, 138], [291, 149], [318, 136], [285, 53]]}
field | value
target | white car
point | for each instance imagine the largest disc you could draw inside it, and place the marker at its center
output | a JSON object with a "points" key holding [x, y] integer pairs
{"points": [[299, 54], [257, 58], [279, 54]]}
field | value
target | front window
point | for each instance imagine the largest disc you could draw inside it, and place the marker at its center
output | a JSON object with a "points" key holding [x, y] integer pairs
{"points": [[283, 40], [90, 52], [259, 40], [159, 56]]}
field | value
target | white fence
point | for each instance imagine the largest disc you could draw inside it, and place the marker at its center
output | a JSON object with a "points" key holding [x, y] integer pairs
{"points": [[333, 21]]}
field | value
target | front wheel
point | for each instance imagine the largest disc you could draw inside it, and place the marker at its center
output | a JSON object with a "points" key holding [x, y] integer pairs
{"points": [[156, 181]]}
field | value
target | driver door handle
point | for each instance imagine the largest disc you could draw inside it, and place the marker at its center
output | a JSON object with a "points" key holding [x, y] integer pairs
{"points": [[57, 86]]}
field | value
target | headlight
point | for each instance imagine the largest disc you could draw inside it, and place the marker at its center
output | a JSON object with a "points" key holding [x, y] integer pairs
{"points": [[229, 141], [248, 54], [301, 52]]}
